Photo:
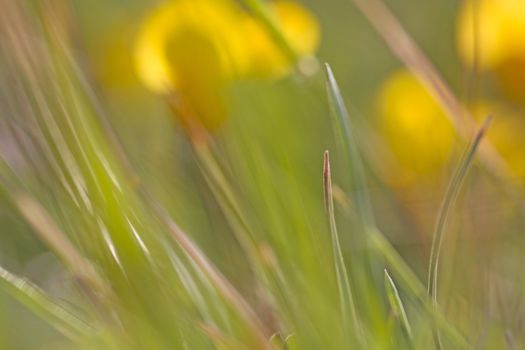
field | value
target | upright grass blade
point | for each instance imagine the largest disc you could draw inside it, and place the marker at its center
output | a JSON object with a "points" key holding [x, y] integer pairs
{"points": [[42, 305], [366, 267], [339, 110], [446, 206], [396, 304], [373, 235], [348, 308]]}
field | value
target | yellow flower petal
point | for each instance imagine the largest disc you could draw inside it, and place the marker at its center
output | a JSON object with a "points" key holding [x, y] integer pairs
{"points": [[299, 27], [416, 129], [190, 50], [421, 137], [479, 33], [212, 21], [499, 26]]}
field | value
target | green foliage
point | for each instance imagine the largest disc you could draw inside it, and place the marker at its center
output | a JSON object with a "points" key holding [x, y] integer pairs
{"points": [[239, 251]]}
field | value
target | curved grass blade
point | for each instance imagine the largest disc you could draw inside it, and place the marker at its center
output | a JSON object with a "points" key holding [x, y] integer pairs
{"points": [[447, 205], [416, 288], [373, 235], [396, 304], [36, 300]]}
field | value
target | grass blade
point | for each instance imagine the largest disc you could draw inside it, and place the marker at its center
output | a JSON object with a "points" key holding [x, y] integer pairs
{"points": [[224, 287], [356, 165], [416, 288], [50, 234], [378, 242], [396, 304], [36, 300], [345, 291], [447, 205]]}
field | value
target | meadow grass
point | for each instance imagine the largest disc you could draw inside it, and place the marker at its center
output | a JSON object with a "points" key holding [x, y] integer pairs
{"points": [[295, 266]]}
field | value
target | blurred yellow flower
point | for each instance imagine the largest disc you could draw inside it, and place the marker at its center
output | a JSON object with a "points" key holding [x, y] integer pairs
{"points": [[491, 35], [422, 138], [190, 50], [299, 28], [414, 127]]}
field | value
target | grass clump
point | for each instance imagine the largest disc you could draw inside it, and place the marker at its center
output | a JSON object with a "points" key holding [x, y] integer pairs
{"points": [[266, 243]]}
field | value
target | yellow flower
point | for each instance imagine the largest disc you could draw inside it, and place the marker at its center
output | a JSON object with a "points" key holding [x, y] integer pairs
{"points": [[491, 34], [190, 50], [421, 137], [414, 127], [299, 28]]}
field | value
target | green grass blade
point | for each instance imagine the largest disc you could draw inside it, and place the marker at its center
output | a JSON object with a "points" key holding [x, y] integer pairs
{"points": [[446, 207], [415, 286], [36, 300], [231, 207], [396, 304], [378, 242], [340, 111], [348, 308], [223, 286]]}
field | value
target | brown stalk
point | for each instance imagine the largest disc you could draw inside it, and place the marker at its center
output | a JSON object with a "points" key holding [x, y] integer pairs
{"points": [[52, 235], [224, 287], [404, 47]]}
